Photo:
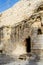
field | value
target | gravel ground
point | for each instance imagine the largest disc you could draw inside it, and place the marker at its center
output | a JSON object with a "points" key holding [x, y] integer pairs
{"points": [[6, 60]]}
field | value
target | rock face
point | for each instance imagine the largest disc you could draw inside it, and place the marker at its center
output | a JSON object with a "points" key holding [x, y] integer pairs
{"points": [[19, 22]]}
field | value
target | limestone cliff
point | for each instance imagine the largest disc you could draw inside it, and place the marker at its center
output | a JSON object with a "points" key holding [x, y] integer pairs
{"points": [[19, 22]]}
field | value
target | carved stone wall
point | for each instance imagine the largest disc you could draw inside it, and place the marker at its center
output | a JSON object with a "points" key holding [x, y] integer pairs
{"points": [[15, 28]]}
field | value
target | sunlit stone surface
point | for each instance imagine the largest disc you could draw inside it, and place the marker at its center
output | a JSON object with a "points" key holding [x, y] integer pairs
{"points": [[23, 20]]}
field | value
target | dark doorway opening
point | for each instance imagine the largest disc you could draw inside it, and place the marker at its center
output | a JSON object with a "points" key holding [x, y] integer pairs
{"points": [[39, 31], [28, 44], [1, 51]]}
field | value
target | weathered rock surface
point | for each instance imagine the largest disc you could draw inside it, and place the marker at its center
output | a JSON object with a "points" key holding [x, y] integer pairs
{"points": [[19, 22]]}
